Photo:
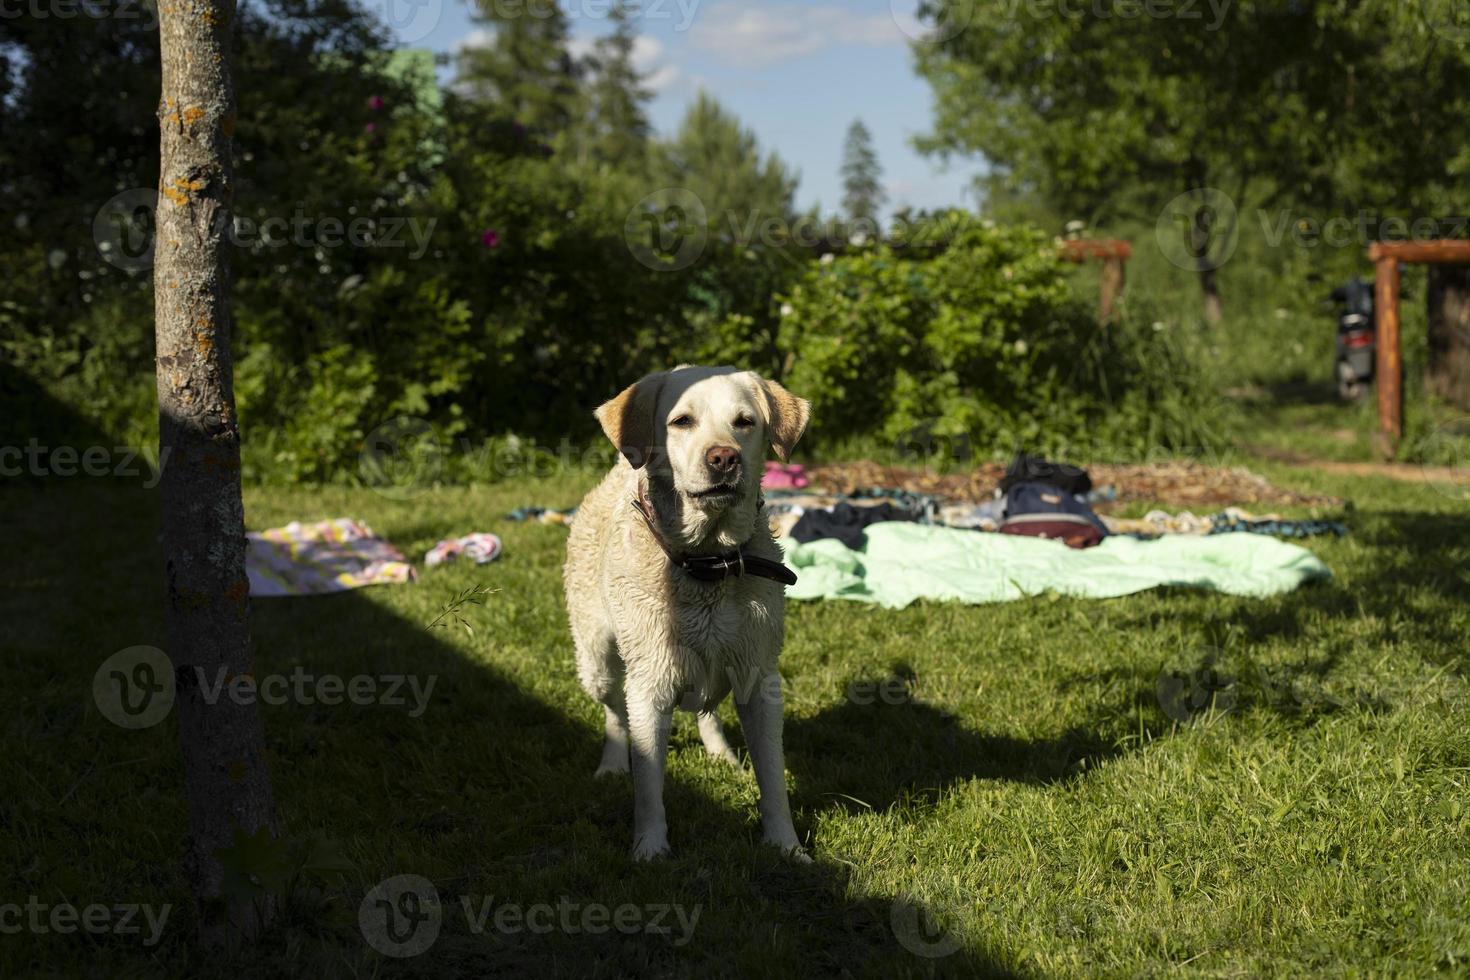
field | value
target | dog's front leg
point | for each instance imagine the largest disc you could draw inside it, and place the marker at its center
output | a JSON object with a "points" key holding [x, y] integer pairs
{"points": [[648, 728], [760, 710]]}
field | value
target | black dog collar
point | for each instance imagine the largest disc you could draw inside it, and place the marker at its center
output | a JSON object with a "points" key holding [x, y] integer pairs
{"points": [[716, 568]]}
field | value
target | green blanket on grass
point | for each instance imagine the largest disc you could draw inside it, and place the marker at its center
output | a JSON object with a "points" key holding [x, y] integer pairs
{"points": [[902, 562]]}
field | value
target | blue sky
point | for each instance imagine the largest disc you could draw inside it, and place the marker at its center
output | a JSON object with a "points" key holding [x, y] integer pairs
{"points": [[797, 73]]}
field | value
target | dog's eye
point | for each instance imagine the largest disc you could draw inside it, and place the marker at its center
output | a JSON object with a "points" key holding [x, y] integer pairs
{"points": [[744, 422], [682, 422]]}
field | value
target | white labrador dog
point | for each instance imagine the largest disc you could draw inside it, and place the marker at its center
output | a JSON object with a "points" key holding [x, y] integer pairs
{"points": [[675, 585]]}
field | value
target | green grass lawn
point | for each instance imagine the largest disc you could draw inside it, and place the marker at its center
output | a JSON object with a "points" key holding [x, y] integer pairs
{"points": [[1171, 782]]}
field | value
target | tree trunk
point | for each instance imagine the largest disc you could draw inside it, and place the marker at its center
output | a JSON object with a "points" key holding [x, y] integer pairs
{"points": [[1448, 373], [203, 518], [1201, 241], [1203, 235], [1214, 309]]}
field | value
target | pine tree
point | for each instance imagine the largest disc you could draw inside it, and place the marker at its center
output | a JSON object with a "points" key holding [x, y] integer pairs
{"points": [[617, 124], [527, 68], [862, 195], [720, 161]]}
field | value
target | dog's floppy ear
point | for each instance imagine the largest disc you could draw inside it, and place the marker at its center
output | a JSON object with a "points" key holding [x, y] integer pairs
{"points": [[786, 416], [628, 419]]}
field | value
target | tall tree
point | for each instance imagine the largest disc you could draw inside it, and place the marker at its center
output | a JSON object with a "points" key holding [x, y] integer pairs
{"points": [[1105, 116], [862, 189], [228, 787], [720, 161], [526, 69], [617, 118]]}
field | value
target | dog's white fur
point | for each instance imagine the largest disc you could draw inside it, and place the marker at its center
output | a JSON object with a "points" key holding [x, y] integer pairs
{"points": [[648, 637]]}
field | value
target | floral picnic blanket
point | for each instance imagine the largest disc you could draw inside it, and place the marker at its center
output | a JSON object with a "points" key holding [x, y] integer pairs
{"points": [[327, 556]]}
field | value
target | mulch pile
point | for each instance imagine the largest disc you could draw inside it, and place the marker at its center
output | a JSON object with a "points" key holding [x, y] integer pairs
{"points": [[1172, 484]]}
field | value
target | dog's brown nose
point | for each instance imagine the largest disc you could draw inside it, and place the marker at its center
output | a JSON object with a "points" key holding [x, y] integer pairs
{"points": [[722, 459]]}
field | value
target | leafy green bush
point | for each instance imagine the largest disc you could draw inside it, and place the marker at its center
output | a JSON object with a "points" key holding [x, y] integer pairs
{"points": [[100, 366], [982, 341]]}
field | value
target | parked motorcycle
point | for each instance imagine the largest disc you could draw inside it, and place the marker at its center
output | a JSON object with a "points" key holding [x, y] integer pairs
{"points": [[1357, 333]]}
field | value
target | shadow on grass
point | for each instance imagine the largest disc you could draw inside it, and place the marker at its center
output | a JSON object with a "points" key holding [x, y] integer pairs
{"points": [[1409, 581], [487, 793], [882, 746], [1415, 568], [490, 793]]}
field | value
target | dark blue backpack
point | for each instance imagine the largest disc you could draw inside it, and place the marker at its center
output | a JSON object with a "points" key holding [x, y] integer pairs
{"points": [[1046, 511]]}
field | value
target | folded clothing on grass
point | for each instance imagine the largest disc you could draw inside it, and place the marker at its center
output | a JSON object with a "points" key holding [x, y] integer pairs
{"points": [[1230, 520], [544, 515], [481, 548], [902, 562], [327, 556], [845, 523]]}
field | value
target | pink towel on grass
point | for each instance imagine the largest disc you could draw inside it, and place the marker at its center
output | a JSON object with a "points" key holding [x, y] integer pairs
{"points": [[784, 476]]}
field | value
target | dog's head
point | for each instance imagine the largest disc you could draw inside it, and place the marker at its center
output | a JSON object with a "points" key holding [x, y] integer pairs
{"points": [[704, 430]]}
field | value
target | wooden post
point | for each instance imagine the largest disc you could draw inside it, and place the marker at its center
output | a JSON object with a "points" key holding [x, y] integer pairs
{"points": [[1113, 254], [1443, 251], [1386, 257], [1389, 371]]}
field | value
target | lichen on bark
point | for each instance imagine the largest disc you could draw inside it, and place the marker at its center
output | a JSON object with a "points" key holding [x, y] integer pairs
{"points": [[226, 779]]}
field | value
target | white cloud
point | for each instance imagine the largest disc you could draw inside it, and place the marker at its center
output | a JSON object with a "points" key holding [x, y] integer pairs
{"points": [[752, 35], [648, 58], [581, 47], [646, 51], [663, 78], [480, 37]]}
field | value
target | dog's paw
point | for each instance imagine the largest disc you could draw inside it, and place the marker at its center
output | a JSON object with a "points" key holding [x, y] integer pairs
{"points": [[650, 848], [791, 851], [615, 758]]}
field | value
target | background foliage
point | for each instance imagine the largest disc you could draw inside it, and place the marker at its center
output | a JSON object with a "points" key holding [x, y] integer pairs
{"points": [[539, 262]]}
